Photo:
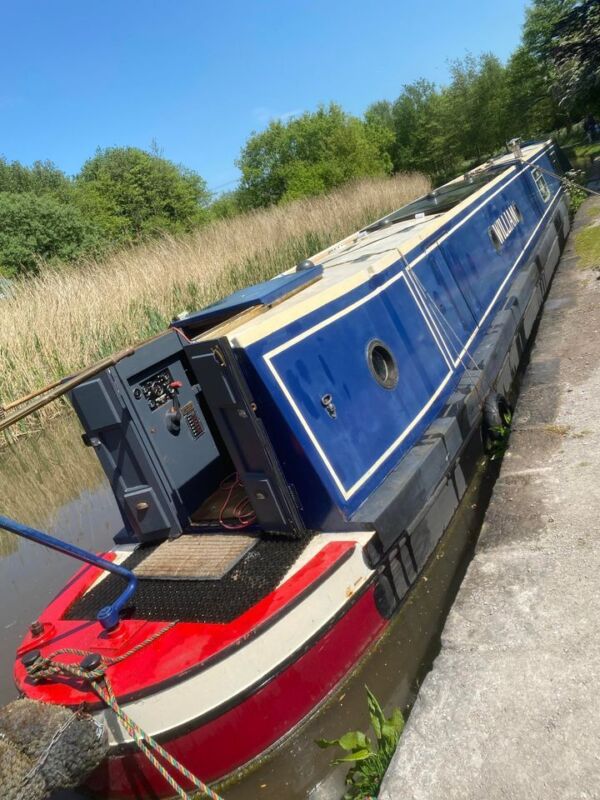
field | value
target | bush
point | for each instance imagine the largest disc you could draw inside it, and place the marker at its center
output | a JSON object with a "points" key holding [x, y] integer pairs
{"points": [[42, 178], [131, 194], [225, 206], [36, 228]]}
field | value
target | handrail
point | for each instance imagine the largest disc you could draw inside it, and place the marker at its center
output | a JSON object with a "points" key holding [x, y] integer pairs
{"points": [[109, 616]]}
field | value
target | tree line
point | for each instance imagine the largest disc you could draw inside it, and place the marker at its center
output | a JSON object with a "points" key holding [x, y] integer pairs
{"points": [[123, 195]]}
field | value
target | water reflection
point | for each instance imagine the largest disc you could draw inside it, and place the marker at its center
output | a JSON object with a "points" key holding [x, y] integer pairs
{"points": [[53, 482], [44, 471]]}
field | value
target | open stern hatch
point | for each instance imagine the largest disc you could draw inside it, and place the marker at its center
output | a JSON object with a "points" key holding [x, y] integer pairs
{"points": [[173, 425]]}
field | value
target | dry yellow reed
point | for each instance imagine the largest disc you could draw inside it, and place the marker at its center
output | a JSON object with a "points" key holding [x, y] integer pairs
{"points": [[64, 319]]}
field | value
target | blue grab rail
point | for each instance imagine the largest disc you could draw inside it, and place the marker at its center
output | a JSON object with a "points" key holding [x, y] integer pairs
{"points": [[109, 615]]}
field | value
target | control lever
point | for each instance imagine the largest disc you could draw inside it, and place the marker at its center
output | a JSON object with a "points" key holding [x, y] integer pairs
{"points": [[174, 414]]}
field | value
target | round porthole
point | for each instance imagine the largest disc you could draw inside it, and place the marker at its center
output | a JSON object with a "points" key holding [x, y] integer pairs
{"points": [[382, 364]]}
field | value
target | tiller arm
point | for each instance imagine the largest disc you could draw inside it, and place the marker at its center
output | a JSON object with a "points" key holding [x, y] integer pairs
{"points": [[109, 615]]}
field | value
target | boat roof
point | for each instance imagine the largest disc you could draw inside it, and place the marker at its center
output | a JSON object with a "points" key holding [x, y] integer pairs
{"points": [[357, 258]]}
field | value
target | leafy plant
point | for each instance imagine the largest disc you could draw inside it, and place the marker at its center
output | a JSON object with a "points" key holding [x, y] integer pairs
{"points": [[498, 437], [369, 761], [577, 195]]}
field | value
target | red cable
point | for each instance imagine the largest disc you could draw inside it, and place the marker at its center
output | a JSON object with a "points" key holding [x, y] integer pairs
{"points": [[245, 518]]}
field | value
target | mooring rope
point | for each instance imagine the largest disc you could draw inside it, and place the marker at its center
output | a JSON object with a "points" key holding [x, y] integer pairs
{"points": [[94, 673], [104, 689], [566, 180], [50, 667]]}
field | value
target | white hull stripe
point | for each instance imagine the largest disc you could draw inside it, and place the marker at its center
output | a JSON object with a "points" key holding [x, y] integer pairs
{"points": [[348, 492]]}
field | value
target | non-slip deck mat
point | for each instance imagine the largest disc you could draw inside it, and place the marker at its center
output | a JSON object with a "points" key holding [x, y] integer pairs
{"points": [[256, 574], [200, 556]]}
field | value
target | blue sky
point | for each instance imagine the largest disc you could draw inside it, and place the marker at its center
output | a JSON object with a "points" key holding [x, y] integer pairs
{"points": [[198, 77]]}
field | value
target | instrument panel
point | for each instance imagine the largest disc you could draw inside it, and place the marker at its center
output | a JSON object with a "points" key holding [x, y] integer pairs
{"points": [[156, 389]]}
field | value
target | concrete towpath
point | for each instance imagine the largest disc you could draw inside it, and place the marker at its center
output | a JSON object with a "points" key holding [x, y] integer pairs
{"points": [[511, 707]]}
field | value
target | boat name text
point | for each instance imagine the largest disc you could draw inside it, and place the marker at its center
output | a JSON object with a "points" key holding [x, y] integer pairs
{"points": [[505, 225]]}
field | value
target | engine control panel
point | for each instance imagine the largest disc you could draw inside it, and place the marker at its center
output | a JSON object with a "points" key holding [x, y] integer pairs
{"points": [[146, 418]]}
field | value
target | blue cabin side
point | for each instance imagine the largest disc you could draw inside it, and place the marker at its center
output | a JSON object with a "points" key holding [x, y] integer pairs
{"points": [[337, 428]]}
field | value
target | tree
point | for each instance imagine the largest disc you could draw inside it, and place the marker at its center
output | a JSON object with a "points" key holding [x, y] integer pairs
{"points": [[531, 109], [476, 105], [36, 228], [437, 130], [540, 20], [310, 154], [573, 50], [132, 193], [563, 36], [490, 97], [380, 117], [410, 122], [43, 178]]}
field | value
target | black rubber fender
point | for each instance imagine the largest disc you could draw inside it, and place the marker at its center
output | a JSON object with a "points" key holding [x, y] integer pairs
{"points": [[495, 410]]}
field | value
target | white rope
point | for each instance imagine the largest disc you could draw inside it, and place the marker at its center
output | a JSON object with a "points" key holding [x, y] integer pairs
{"points": [[565, 179], [460, 350]]}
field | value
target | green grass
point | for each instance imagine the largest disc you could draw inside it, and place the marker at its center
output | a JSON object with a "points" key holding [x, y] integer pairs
{"points": [[586, 150], [587, 246]]}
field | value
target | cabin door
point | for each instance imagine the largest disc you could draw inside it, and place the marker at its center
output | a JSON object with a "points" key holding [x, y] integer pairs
{"points": [[234, 412]]}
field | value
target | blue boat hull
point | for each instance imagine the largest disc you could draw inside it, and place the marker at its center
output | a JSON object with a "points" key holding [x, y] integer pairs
{"points": [[432, 308]]}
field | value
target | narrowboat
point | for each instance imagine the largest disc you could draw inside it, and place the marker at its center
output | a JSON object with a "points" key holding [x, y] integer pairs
{"points": [[286, 460]]}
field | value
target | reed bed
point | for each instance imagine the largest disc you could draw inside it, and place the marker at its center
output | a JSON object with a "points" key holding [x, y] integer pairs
{"points": [[65, 319]]}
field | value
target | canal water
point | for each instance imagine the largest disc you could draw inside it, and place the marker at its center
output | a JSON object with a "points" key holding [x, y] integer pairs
{"points": [[51, 481]]}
